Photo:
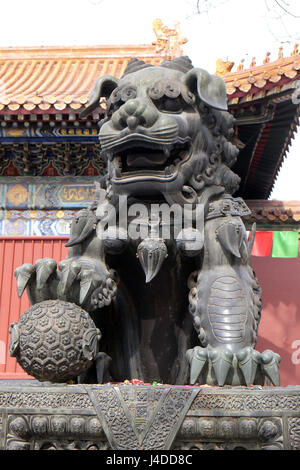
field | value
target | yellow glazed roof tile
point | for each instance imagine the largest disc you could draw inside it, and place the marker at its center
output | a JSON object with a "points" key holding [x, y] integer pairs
{"points": [[57, 78], [62, 77], [244, 83]]}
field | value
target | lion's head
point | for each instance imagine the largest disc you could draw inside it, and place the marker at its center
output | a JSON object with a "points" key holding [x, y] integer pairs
{"points": [[166, 130]]}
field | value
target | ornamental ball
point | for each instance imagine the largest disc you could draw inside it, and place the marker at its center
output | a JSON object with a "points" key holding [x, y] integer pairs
{"points": [[54, 341]]}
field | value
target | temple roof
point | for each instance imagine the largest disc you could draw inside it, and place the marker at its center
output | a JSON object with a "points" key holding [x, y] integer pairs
{"points": [[60, 78], [281, 214], [258, 81], [261, 99]]}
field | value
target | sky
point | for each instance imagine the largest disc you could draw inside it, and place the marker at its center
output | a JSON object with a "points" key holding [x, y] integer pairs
{"points": [[233, 29]]}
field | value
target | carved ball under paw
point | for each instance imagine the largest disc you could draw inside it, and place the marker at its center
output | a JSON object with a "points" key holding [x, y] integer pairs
{"points": [[54, 341]]}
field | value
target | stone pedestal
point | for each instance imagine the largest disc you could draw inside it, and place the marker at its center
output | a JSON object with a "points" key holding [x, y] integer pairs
{"points": [[154, 417]]}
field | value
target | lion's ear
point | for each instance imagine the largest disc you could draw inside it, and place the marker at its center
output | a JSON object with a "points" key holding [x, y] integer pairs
{"points": [[211, 89], [103, 87]]}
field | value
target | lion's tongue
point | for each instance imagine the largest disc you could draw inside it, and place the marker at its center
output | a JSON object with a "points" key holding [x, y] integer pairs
{"points": [[146, 161]]}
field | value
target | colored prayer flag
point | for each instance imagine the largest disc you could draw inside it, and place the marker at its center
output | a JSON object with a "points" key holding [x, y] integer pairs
{"points": [[262, 245], [285, 244]]}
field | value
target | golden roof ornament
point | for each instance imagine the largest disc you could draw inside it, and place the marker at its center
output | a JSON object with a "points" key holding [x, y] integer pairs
{"points": [[280, 53], [267, 58], [169, 41], [240, 67], [295, 51], [253, 63], [223, 67]]}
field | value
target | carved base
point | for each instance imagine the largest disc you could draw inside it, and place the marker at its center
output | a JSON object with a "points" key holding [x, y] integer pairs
{"points": [[160, 417]]}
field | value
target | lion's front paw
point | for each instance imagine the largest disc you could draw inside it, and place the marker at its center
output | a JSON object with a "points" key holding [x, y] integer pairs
{"points": [[217, 366], [86, 282]]}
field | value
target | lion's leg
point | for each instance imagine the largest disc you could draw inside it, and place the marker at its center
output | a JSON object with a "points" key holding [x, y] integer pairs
{"points": [[225, 304]]}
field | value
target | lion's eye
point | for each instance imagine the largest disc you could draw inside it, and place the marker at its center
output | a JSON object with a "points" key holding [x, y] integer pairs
{"points": [[125, 93], [119, 96], [129, 92], [167, 96]]}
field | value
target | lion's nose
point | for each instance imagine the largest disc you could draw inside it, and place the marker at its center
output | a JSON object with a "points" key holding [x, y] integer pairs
{"points": [[135, 113], [133, 110], [132, 122]]}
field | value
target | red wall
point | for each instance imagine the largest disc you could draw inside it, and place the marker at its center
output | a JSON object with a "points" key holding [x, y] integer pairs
{"points": [[13, 253], [279, 328]]}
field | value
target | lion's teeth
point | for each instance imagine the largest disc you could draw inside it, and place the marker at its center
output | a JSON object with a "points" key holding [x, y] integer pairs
{"points": [[110, 156], [118, 166], [106, 155], [167, 151], [168, 171], [118, 162]]}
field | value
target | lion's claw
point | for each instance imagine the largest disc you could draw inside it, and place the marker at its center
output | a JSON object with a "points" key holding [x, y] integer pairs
{"points": [[68, 275], [269, 365], [221, 360], [248, 361], [23, 275], [36, 278], [197, 358]]}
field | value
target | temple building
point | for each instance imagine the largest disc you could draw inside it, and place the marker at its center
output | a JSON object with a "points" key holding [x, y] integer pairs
{"points": [[50, 159]]}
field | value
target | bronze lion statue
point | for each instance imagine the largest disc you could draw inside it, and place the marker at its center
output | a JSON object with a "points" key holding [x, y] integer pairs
{"points": [[176, 309]]}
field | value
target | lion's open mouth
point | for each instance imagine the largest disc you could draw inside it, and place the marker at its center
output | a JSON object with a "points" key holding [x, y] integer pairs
{"points": [[162, 161]]}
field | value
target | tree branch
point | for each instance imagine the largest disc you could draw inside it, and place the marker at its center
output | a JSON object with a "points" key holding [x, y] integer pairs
{"points": [[285, 10]]}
